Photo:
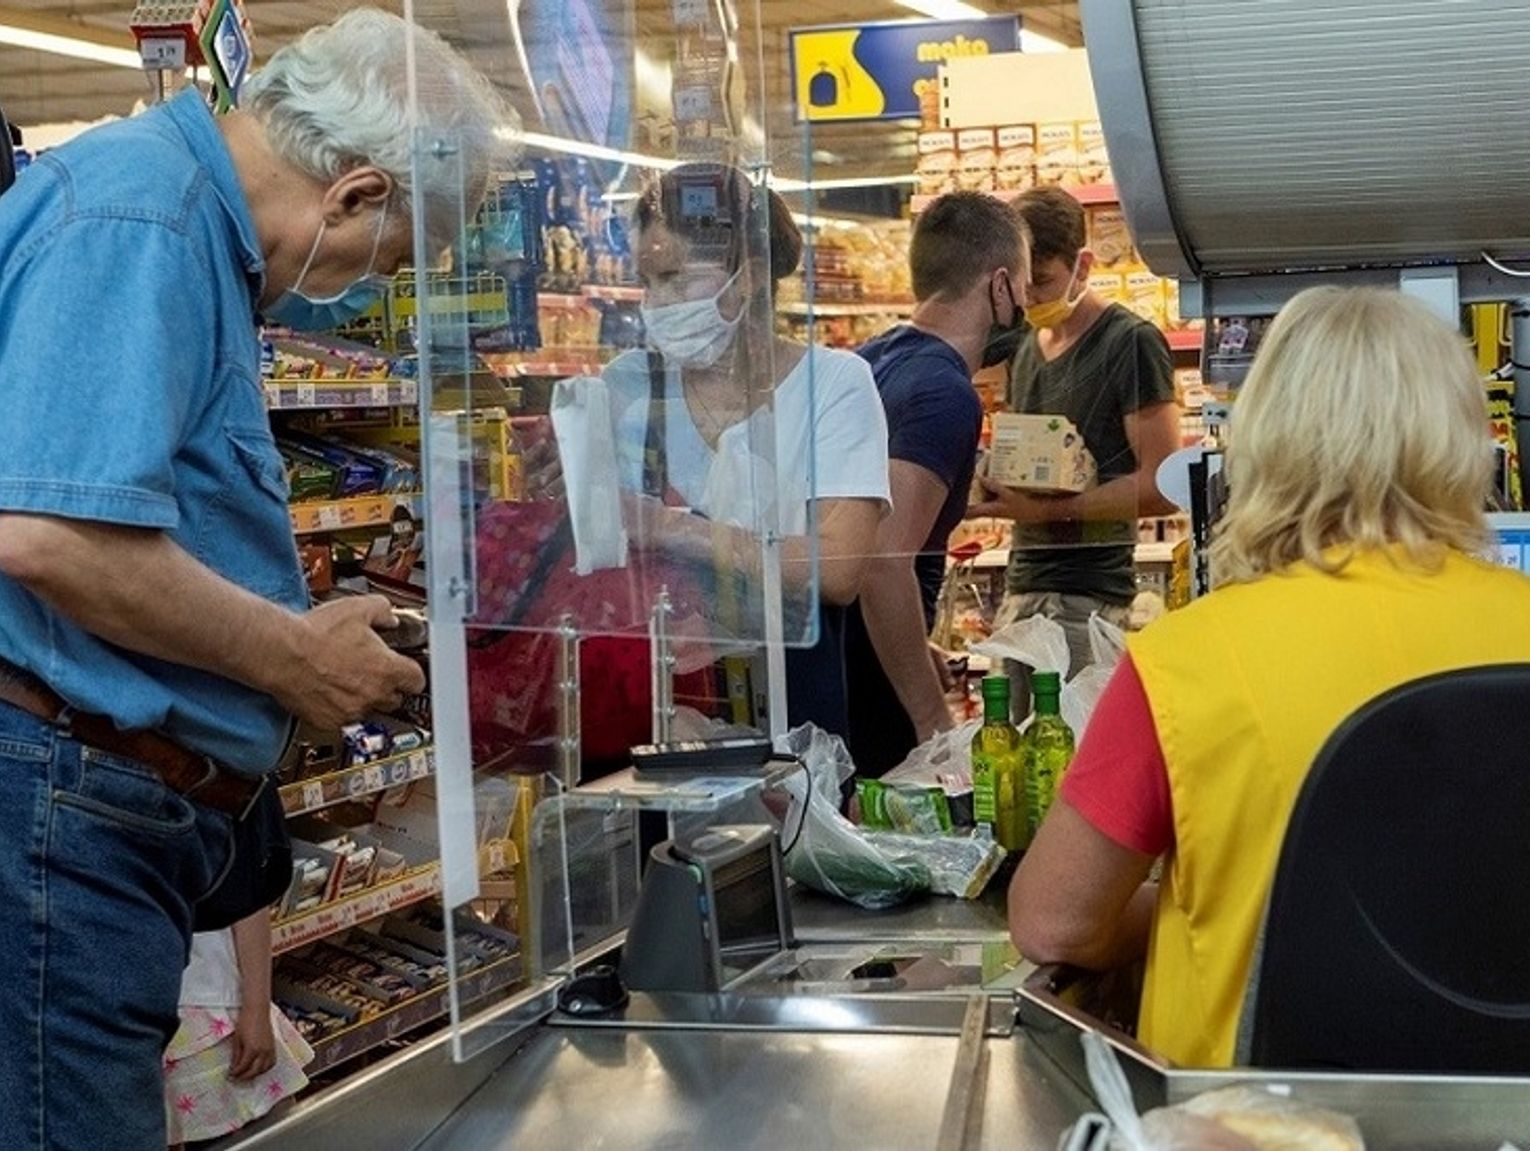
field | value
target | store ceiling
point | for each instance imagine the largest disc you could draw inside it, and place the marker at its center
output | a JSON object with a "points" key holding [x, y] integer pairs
{"points": [[37, 87]]}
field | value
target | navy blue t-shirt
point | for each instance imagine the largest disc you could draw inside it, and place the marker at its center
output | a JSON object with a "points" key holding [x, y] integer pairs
{"points": [[934, 419]]}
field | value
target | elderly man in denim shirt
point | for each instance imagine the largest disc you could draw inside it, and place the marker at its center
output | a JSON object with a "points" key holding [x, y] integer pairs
{"points": [[155, 632]]}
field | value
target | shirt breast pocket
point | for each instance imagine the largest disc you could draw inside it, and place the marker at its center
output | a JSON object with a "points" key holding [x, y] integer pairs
{"points": [[249, 538]]}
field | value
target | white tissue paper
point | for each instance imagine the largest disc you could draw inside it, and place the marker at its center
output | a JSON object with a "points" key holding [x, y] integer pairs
{"points": [[581, 417]]}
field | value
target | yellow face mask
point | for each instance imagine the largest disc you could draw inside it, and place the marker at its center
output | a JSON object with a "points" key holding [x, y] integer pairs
{"points": [[1055, 313]]}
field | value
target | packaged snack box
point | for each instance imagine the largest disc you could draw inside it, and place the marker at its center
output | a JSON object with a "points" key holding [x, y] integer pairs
{"points": [[1016, 165], [1093, 163], [975, 159], [1109, 236], [1144, 295], [1041, 453], [1057, 154], [1109, 286], [936, 172]]}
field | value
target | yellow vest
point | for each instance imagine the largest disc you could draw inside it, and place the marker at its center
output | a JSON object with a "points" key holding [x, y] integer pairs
{"points": [[1244, 687]]}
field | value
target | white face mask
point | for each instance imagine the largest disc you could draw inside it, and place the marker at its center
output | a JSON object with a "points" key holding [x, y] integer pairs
{"points": [[692, 333]]}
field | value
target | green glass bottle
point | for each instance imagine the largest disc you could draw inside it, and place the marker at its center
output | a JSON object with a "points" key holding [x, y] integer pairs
{"points": [[1048, 749], [998, 769]]}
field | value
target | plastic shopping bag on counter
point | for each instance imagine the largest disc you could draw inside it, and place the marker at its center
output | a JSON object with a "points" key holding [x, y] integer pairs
{"points": [[1241, 1118], [824, 850], [944, 758], [1041, 643]]}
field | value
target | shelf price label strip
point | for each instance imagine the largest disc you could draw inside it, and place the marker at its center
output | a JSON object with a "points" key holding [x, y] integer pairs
{"points": [[354, 782]]}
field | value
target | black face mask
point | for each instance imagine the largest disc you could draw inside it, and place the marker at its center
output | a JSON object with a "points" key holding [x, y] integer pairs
{"points": [[1003, 340]]}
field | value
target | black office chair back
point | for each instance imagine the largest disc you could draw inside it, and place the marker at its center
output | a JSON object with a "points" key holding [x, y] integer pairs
{"points": [[1397, 935]]}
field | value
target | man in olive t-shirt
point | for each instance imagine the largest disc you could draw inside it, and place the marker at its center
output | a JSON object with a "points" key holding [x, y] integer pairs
{"points": [[1108, 371]]}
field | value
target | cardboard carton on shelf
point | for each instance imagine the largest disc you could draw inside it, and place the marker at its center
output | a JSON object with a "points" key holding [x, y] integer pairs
{"points": [[1039, 453]]}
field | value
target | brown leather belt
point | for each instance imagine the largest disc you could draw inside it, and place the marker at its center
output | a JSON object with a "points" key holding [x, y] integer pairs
{"points": [[197, 777]]}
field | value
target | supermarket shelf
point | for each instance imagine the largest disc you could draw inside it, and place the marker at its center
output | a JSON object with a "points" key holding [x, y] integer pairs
{"points": [[403, 1017], [422, 883], [415, 887], [1185, 341], [612, 293], [344, 515], [301, 395], [364, 779], [1083, 193], [860, 308]]}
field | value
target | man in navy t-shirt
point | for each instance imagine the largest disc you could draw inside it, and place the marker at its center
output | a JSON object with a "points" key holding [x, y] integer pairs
{"points": [[969, 259]]}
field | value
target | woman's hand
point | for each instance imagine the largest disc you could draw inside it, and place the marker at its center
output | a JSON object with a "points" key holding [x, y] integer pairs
{"points": [[254, 1045]]}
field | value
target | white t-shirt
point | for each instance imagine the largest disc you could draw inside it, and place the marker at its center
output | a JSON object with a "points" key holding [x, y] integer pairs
{"points": [[211, 978], [830, 441]]}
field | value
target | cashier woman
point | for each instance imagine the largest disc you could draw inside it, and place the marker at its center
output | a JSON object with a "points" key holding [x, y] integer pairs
{"points": [[1359, 465]]}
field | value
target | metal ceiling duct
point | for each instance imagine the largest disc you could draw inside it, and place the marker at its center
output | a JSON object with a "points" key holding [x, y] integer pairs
{"points": [[1257, 136]]}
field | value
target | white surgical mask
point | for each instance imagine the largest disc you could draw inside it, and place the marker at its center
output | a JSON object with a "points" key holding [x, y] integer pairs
{"points": [[692, 333]]}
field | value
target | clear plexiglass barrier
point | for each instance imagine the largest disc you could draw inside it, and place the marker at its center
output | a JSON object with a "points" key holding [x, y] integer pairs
{"points": [[618, 449], [665, 500]]}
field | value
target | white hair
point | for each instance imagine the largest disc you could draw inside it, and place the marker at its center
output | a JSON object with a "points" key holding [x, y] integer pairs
{"points": [[338, 99]]}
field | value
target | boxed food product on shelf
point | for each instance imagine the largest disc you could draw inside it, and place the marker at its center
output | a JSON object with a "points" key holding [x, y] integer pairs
{"points": [[975, 160], [425, 926], [1109, 286], [936, 172], [313, 872], [1109, 237], [1144, 295], [1093, 163], [425, 968], [315, 1014], [1015, 169], [1057, 153], [385, 983], [1043, 453]]}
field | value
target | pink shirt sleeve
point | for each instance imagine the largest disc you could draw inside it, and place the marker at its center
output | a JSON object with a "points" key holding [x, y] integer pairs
{"points": [[1118, 780]]}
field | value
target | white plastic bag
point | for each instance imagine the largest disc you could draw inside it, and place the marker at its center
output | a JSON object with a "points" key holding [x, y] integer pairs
{"points": [[1042, 644], [1035, 640], [826, 851], [581, 417], [1239, 1118], [943, 759]]}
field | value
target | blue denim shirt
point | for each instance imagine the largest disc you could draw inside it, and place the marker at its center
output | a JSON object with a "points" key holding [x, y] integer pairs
{"points": [[130, 394]]}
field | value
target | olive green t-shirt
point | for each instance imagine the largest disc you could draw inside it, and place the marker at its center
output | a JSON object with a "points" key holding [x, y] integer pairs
{"points": [[1119, 366]]}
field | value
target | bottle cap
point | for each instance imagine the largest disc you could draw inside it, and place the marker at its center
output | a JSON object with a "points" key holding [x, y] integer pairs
{"points": [[1046, 683], [996, 687]]}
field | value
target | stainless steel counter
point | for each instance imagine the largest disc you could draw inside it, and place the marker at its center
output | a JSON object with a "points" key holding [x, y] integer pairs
{"points": [[819, 918], [655, 1089]]}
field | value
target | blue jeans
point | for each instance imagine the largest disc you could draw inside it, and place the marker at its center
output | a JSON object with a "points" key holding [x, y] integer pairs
{"points": [[100, 864]]}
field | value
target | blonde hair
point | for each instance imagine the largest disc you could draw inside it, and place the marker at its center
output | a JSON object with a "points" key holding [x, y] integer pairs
{"points": [[1362, 424]]}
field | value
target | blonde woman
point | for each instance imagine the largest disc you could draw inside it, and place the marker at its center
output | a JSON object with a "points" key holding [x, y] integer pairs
{"points": [[1359, 466]]}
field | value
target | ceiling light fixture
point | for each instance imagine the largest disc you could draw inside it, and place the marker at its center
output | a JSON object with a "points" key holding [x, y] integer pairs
{"points": [[61, 38]]}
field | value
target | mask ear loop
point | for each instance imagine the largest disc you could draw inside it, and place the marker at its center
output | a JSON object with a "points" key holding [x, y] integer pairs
{"points": [[312, 252]]}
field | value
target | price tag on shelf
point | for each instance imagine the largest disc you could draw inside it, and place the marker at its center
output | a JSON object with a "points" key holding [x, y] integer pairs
{"points": [[313, 795], [329, 516], [373, 779], [379, 395], [419, 765], [409, 393], [398, 772], [307, 395], [163, 52]]}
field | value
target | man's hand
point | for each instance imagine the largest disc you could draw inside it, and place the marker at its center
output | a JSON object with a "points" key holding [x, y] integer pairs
{"points": [[254, 1044], [1022, 507], [349, 669]]}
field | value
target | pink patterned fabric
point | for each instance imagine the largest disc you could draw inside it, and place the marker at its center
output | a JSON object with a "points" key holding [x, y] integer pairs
{"points": [[201, 1102]]}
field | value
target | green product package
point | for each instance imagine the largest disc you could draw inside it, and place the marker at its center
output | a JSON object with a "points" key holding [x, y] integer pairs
{"points": [[902, 808]]}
